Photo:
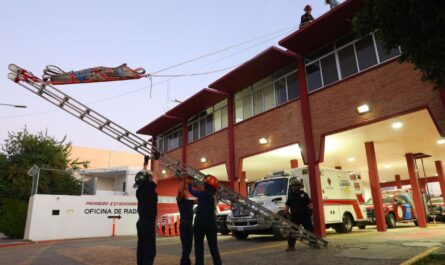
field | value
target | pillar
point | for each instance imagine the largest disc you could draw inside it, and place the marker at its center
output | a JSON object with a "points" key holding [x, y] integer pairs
{"points": [[441, 177], [242, 184], [184, 142], [231, 142], [398, 181], [417, 196], [294, 163], [312, 163], [375, 186]]}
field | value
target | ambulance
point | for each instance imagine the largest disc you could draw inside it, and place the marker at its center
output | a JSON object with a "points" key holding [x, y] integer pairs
{"points": [[342, 193]]}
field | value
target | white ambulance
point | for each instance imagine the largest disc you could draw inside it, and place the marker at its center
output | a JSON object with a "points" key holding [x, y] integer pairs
{"points": [[342, 192]]}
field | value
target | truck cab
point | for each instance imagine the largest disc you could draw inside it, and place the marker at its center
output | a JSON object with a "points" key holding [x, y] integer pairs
{"points": [[342, 197]]}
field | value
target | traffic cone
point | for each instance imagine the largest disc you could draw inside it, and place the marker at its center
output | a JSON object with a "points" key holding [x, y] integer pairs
{"points": [[172, 226], [166, 228], [160, 226]]}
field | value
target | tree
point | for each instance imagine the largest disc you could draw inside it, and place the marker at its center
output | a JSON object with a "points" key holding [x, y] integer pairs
{"points": [[20, 151], [417, 26]]}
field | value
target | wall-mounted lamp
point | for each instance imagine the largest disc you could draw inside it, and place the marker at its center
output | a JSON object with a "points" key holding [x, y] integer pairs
{"points": [[203, 159], [263, 140], [363, 108], [164, 172]]}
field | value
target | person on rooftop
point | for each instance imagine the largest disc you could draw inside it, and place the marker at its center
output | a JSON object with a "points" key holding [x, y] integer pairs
{"points": [[331, 3], [307, 17]]}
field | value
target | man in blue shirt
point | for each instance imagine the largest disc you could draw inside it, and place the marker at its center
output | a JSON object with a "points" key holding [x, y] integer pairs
{"points": [[205, 220]]}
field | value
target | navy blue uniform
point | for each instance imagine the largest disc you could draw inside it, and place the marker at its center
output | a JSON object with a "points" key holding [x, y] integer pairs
{"points": [[205, 225], [186, 229], [147, 210], [301, 214]]}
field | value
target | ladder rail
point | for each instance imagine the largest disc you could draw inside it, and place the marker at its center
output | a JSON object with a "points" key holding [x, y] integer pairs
{"points": [[131, 140]]}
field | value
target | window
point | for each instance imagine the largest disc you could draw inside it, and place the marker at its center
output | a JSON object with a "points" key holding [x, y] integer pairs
{"points": [[313, 76], [281, 91], [55, 212], [348, 64], [247, 107], [269, 97], [224, 120], [218, 120], [329, 69], [366, 53], [209, 124], [293, 88], [343, 58], [195, 131], [258, 102], [383, 54]]}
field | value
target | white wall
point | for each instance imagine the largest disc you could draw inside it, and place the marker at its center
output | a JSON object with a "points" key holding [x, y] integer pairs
{"points": [[80, 216]]}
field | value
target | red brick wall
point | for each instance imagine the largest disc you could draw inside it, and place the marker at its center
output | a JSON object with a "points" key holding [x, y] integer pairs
{"points": [[168, 186], [389, 89], [213, 147]]}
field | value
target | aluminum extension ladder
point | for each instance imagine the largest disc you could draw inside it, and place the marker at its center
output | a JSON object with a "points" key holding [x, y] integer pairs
{"points": [[48, 92]]}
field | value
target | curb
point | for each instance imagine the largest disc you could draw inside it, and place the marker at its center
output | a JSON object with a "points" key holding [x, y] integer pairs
{"points": [[15, 244], [51, 241], [420, 256]]}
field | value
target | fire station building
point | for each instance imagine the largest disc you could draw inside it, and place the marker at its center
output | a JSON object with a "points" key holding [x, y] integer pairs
{"points": [[323, 98]]}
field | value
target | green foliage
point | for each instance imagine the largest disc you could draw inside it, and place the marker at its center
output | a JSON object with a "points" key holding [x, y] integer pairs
{"points": [[13, 217], [418, 26], [22, 150]]}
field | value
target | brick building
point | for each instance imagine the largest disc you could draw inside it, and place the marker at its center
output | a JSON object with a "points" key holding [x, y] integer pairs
{"points": [[325, 97]]}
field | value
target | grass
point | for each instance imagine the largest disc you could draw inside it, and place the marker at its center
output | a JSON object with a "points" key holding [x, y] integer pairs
{"points": [[432, 259]]}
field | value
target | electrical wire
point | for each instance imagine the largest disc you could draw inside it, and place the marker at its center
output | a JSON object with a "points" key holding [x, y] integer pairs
{"points": [[173, 76]]}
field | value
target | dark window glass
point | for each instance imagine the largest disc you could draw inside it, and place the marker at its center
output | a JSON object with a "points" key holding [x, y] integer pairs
{"points": [[202, 127], [329, 68], [165, 147], [383, 55], [345, 40], [170, 142], [190, 133], [180, 138], [195, 131], [348, 64], [293, 89], [258, 102], [320, 52], [366, 53], [313, 76], [280, 89], [210, 124], [56, 212]]}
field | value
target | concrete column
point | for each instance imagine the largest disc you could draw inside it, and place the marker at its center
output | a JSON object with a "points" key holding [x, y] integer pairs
{"points": [[231, 142], [398, 181], [312, 162], [441, 177], [375, 186], [417, 196], [294, 163]]}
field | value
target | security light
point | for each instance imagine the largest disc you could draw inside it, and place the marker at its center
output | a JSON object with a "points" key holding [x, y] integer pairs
{"points": [[203, 159], [363, 108], [164, 172], [441, 141], [263, 140], [351, 159]]}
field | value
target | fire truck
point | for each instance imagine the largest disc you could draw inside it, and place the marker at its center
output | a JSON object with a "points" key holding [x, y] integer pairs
{"points": [[398, 206], [344, 205]]}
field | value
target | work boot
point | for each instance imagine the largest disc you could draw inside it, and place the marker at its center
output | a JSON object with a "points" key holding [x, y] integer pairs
{"points": [[290, 249]]}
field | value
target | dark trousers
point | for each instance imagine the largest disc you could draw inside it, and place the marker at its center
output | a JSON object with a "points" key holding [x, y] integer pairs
{"points": [[206, 227], [146, 250], [305, 221], [186, 229]]}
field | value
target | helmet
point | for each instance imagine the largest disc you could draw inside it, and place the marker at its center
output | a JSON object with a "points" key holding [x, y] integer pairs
{"points": [[295, 182], [141, 177], [307, 7], [212, 181]]}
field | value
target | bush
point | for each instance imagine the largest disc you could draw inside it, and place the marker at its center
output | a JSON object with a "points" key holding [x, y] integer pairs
{"points": [[13, 217]]}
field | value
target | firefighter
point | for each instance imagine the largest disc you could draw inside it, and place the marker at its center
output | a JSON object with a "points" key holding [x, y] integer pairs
{"points": [[147, 210], [186, 225], [300, 206], [205, 220], [307, 17]]}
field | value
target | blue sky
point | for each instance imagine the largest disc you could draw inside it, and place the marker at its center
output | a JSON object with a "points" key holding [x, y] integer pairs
{"points": [[149, 34]]}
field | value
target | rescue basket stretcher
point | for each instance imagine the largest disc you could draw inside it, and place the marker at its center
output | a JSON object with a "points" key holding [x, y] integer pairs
{"points": [[48, 92]]}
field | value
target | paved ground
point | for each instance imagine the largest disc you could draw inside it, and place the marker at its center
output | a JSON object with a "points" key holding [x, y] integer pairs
{"points": [[360, 247]]}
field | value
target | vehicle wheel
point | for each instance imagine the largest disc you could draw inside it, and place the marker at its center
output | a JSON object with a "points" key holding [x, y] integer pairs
{"points": [[361, 226], [277, 235], [391, 220], [346, 225], [240, 235]]}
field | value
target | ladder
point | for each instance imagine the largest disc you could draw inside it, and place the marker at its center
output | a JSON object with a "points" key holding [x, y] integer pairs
{"points": [[48, 92]]}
